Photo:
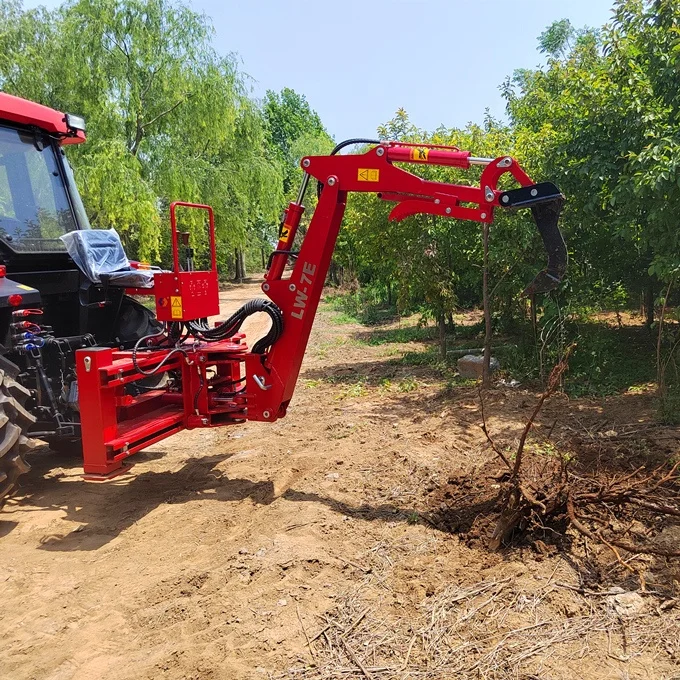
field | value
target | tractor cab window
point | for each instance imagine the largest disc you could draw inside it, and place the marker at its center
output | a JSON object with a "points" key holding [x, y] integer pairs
{"points": [[34, 206]]}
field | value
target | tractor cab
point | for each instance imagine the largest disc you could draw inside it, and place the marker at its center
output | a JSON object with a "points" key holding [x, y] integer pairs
{"points": [[46, 242], [39, 201]]}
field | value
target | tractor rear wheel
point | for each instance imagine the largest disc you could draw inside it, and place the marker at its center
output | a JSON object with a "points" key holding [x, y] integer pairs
{"points": [[14, 423]]}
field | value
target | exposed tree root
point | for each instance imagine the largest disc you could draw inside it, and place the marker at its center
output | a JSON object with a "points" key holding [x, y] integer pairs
{"points": [[535, 492]]}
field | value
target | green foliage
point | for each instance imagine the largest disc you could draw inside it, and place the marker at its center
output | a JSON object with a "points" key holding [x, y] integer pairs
{"points": [[168, 118], [433, 265], [556, 39], [294, 130]]}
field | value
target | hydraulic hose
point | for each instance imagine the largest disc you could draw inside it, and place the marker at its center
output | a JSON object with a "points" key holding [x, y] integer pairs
{"points": [[342, 145], [349, 142], [164, 360], [233, 324]]}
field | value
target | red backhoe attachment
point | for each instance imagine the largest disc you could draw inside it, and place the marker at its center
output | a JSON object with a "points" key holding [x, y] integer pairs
{"points": [[213, 377]]}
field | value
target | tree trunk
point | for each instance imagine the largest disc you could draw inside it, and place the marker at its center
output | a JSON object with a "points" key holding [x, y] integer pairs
{"points": [[242, 254], [649, 302], [389, 293], [660, 364], [333, 273], [442, 334], [239, 265], [534, 322], [486, 368], [264, 259]]}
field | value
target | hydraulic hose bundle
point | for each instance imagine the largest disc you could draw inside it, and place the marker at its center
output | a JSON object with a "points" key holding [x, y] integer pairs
{"points": [[172, 337], [233, 324]]}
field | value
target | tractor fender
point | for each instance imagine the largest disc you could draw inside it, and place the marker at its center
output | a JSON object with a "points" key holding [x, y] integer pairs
{"points": [[30, 297]]}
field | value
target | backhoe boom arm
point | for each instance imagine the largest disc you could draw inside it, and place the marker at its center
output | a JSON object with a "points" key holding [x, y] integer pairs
{"points": [[271, 378]]}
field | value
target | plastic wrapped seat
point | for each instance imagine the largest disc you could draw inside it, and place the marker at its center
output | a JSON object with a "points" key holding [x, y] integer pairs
{"points": [[99, 254]]}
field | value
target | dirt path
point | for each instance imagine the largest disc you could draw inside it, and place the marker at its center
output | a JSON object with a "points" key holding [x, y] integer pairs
{"points": [[223, 550]]}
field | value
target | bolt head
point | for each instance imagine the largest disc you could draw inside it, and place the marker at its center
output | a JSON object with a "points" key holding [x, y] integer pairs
{"points": [[380, 151], [437, 201], [483, 216], [291, 288], [265, 287], [331, 181], [534, 192], [448, 211], [505, 199], [306, 163], [265, 414]]}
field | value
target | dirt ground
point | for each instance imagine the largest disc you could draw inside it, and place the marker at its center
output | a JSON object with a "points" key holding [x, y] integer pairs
{"points": [[312, 548]]}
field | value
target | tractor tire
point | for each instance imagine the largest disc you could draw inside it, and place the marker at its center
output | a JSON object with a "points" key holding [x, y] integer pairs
{"points": [[15, 421]]}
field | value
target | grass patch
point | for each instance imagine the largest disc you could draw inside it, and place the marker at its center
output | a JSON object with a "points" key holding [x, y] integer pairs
{"points": [[385, 386], [419, 333], [668, 406], [606, 361], [312, 384], [409, 384], [354, 390], [343, 319], [363, 306], [403, 334]]}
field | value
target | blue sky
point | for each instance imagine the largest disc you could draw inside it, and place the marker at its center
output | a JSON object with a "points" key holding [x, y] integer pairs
{"points": [[358, 61]]}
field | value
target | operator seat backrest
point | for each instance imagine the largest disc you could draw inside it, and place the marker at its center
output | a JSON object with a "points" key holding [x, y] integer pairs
{"points": [[96, 252]]}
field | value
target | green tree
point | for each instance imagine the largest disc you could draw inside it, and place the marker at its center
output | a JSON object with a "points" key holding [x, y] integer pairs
{"points": [[294, 130], [556, 40], [435, 264], [168, 118], [569, 122]]}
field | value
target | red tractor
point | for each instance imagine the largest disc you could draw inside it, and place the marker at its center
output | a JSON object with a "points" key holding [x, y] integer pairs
{"points": [[82, 361]]}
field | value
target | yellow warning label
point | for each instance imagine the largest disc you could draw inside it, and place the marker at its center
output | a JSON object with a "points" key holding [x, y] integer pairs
{"points": [[368, 175], [285, 234], [419, 154], [21, 285], [176, 307]]}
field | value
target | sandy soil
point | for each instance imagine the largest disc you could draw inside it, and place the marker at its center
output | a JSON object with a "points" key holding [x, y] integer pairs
{"points": [[304, 549]]}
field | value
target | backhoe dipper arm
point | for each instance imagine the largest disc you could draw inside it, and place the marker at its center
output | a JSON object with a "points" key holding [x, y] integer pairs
{"points": [[271, 377]]}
